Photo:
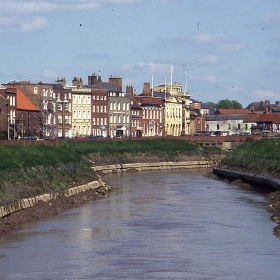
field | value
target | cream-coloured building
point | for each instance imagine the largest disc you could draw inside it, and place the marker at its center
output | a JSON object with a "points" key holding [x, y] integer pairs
{"points": [[177, 108], [81, 112], [173, 116]]}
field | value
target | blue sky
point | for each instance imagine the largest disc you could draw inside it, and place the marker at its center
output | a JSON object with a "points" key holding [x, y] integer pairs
{"points": [[218, 49]]}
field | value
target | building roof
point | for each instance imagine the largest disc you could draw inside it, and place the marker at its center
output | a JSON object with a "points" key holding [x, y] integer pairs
{"points": [[232, 111], [251, 118], [149, 100], [259, 106], [262, 118], [161, 94], [135, 104], [273, 118], [22, 101], [226, 117]]}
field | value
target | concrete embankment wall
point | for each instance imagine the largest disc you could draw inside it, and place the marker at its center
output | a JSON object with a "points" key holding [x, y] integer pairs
{"points": [[253, 179], [32, 201], [154, 166]]}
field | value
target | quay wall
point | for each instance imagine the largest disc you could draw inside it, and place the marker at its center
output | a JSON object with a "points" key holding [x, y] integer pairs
{"points": [[253, 179], [153, 166], [32, 201]]}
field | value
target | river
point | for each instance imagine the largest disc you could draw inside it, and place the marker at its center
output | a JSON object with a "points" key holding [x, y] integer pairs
{"points": [[154, 225]]}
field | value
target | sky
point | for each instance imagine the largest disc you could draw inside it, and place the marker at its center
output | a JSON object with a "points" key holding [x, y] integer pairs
{"points": [[217, 49]]}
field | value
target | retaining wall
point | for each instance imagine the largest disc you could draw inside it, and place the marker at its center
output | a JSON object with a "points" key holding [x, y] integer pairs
{"points": [[153, 166], [32, 201], [247, 177]]}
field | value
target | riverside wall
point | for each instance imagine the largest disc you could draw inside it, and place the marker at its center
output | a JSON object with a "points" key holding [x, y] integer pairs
{"points": [[253, 179], [154, 166], [32, 201]]}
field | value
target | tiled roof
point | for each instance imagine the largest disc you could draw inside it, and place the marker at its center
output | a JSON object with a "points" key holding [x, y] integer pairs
{"points": [[226, 117], [149, 101], [232, 111], [274, 118], [249, 118], [135, 104], [22, 102], [104, 85], [262, 118]]}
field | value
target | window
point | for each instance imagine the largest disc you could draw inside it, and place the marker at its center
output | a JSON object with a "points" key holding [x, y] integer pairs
{"points": [[229, 126], [35, 90]]}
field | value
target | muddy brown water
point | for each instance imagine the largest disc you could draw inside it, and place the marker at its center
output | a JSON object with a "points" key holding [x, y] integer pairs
{"points": [[154, 225]]}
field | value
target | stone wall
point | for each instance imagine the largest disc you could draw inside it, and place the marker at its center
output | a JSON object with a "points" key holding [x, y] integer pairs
{"points": [[32, 201], [153, 166]]}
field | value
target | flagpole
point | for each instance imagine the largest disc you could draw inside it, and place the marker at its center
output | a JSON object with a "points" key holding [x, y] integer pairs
{"points": [[152, 85], [171, 76]]}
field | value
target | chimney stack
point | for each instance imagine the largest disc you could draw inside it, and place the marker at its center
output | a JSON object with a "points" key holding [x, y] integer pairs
{"points": [[147, 89]]}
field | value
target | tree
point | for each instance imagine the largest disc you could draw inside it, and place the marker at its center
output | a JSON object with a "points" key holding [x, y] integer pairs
{"points": [[236, 105], [229, 104]]}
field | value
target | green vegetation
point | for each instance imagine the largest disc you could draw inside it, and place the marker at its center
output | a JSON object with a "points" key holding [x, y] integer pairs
{"points": [[260, 156], [225, 104], [17, 157], [31, 170]]}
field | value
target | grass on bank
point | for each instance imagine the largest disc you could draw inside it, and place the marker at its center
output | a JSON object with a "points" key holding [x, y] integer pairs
{"points": [[32, 170], [258, 156], [19, 156]]}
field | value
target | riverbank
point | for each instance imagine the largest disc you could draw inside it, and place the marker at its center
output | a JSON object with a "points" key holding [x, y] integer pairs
{"points": [[46, 210], [43, 210]]}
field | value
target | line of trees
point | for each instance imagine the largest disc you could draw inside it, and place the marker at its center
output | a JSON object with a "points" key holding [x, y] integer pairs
{"points": [[225, 104]]}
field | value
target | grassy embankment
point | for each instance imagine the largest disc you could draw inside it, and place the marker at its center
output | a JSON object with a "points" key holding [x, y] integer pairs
{"points": [[31, 170], [260, 157]]}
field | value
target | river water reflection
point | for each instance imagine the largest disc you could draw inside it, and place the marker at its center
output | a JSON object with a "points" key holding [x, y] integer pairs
{"points": [[154, 225]]}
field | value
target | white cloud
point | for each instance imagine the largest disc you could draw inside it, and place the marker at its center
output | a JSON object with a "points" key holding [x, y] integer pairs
{"points": [[208, 38], [45, 6], [34, 24], [209, 59], [15, 24], [265, 94], [211, 79], [153, 67]]}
